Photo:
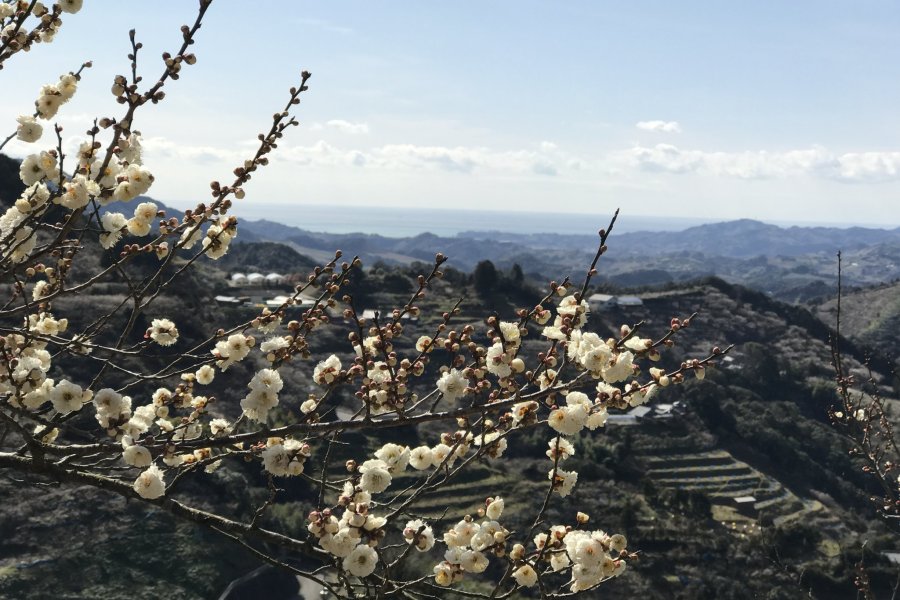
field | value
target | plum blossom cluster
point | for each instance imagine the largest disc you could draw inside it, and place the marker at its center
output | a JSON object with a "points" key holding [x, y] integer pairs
{"points": [[588, 557], [284, 458], [469, 544], [263, 395], [353, 537], [119, 177], [50, 99], [14, 38]]}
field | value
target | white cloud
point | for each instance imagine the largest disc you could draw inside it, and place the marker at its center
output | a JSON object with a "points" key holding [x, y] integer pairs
{"points": [[165, 148], [865, 167], [466, 159], [659, 126], [869, 166], [348, 127], [814, 163]]}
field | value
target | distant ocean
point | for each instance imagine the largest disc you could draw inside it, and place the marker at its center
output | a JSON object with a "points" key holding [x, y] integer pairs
{"points": [[406, 222]]}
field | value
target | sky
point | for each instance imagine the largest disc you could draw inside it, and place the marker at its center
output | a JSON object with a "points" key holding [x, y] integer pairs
{"points": [[787, 112]]}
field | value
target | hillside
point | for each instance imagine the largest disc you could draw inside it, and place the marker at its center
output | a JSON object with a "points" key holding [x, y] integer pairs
{"points": [[869, 316], [755, 427], [795, 264]]}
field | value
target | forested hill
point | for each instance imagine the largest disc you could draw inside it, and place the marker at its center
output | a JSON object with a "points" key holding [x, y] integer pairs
{"points": [[795, 264], [755, 426]]}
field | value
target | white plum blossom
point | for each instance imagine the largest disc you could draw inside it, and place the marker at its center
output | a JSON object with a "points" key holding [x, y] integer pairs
{"points": [[219, 426], [38, 396], [361, 561], [564, 482], [495, 508], [642, 396], [285, 459], [70, 6], [395, 456], [525, 576], [569, 419], [77, 192], [441, 453], [341, 543], [134, 181], [263, 396], [620, 368], [68, 397], [137, 456], [163, 332], [443, 574], [29, 130], [205, 375], [497, 361], [149, 484], [146, 212], [421, 458], [268, 379], [140, 421], [108, 175], [113, 223], [232, 350], [596, 419], [376, 476], [578, 311], [112, 407], [130, 149], [420, 534], [35, 196], [138, 228], [637, 344], [327, 370], [452, 384], [473, 561], [49, 100], [216, 242], [273, 344], [37, 167]]}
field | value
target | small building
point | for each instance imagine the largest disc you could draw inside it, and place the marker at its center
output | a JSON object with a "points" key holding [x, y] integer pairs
{"points": [[274, 279], [632, 417], [746, 505], [601, 301], [618, 419], [230, 300], [256, 278], [729, 362], [238, 279], [664, 411], [629, 301], [640, 412]]}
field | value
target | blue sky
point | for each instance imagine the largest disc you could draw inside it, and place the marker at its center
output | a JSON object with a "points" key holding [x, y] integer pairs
{"points": [[782, 111]]}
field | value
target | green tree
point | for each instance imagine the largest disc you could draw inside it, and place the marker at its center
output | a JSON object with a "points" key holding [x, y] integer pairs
{"points": [[485, 278]]}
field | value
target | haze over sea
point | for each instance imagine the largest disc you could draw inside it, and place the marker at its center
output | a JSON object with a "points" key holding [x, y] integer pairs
{"points": [[408, 222]]}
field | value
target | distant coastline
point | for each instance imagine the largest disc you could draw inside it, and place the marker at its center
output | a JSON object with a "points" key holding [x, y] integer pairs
{"points": [[410, 222]]}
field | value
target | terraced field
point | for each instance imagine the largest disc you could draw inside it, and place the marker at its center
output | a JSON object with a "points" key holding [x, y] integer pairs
{"points": [[721, 477], [462, 496]]}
